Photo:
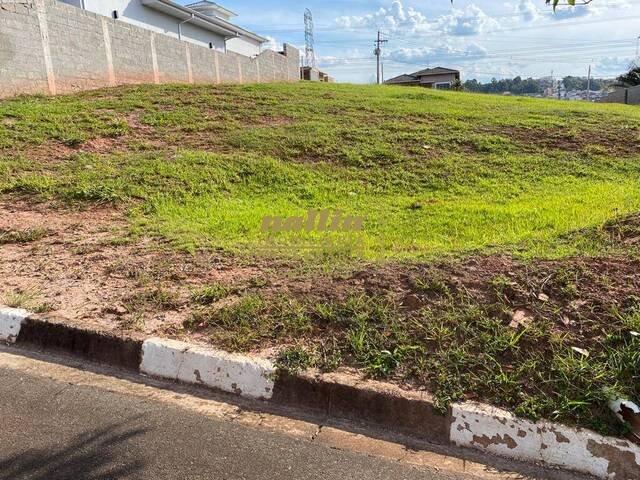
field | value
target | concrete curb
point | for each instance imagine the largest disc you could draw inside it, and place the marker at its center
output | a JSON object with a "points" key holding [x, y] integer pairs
{"points": [[344, 396], [10, 322], [242, 375], [499, 432], [469, 425], [92, 345]]}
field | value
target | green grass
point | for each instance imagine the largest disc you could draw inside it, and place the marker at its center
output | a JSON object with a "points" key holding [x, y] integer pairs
{"points": [[22, 236], [433, 173], [29, 299], [209, 294], [457, 347]]}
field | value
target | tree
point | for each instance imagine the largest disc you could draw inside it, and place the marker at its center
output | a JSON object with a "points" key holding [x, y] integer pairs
{"points": [[457, 86], [573, 3], [631, 78], [517, 86], [557, 3], [581, 83]]}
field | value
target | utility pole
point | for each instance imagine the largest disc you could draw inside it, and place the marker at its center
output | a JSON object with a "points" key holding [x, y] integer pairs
{"points": [[637, 59], [589, 84], [378, 54]]}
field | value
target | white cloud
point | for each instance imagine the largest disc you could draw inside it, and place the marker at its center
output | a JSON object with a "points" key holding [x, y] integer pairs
{"points": [[612, 66], [437, 54], [470, 20], [332, 61], [348, 57], [592, 9], [394, 18], [271, 44], [486, 71], [528, 11], [533, 10]]}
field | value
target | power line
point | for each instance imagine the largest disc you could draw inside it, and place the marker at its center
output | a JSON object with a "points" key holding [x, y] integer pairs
{"points": [[606, 46], [427, 34]]}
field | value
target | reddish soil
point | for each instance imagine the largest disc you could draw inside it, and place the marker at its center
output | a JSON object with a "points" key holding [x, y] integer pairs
{"points": [[82, 273], [615, 143], [86, 276]]}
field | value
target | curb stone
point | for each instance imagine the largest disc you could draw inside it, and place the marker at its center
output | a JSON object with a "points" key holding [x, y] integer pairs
{"points": [[499, 432], [89, 344], [10, 322], [471, 425], [345, 396], [242, 375]]}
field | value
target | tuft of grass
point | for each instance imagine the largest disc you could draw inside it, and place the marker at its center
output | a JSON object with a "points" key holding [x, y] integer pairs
{"points": [[29, 299], [246, 323], [19, 299], [133, 321], [209, 294], [22, 236], [152, 298], [294, 359], [44, 307], [431, 285]]}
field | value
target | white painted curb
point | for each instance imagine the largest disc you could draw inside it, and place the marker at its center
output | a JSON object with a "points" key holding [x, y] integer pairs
{"points": [[497, 431], [10, 322], [239, 374]]}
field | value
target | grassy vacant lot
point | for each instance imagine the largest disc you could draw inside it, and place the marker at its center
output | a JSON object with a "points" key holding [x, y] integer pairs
{"points": [[434, 173], [500, 243]]}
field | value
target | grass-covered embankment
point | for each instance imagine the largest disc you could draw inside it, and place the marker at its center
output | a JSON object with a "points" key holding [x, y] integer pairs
{"points": [[432, 172]]}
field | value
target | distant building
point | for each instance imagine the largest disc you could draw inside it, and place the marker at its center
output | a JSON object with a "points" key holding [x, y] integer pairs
{"points": [[204, 23], [438, 77], [312, 74]]}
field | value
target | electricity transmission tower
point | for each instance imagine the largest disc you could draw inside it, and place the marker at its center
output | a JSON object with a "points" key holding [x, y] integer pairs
{"points": [[378, 53], [309, 48]]}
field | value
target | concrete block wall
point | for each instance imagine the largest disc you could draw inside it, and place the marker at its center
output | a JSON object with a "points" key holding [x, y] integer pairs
{"points": [[22, 68], [630, 96], [633, 95], [50, 47]]}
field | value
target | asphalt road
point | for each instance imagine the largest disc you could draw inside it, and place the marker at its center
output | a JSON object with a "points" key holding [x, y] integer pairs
{"points": [[51, 428]]}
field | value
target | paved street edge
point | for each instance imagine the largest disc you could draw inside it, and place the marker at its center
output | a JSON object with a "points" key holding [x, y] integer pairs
{"points": [[471, 425]]}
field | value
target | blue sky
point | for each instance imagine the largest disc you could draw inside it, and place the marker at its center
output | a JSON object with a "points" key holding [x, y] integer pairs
{"points": [[482, 38]]}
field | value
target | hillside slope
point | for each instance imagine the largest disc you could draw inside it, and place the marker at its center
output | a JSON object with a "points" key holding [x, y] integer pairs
{"points": [[431, 172]]}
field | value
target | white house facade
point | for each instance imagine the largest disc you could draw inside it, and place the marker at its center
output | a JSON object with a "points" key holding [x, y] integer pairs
{"points": [[204, 23]]}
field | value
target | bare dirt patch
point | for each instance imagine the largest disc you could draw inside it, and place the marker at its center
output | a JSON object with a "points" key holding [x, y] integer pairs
{"points": [[54, 152], [615, 142], [90, 274]]}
